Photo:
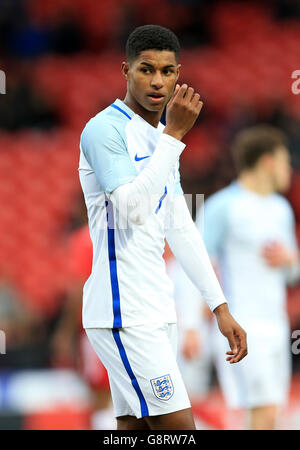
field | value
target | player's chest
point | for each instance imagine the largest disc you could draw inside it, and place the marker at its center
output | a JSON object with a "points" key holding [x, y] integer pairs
{"points": [[253, 223], [142, 140]]}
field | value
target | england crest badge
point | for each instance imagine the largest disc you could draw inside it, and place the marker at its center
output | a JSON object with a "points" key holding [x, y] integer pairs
{"points": [[162, 387]]}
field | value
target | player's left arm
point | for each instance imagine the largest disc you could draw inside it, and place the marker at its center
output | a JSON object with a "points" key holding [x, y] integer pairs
{"points": [[187, 245]]}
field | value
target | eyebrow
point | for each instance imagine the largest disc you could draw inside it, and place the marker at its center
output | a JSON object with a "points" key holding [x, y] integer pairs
{"points": [[150, 65]]}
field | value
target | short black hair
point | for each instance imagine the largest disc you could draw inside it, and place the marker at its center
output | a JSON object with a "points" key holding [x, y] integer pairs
{"points": [[151, 37], [252, 143]]}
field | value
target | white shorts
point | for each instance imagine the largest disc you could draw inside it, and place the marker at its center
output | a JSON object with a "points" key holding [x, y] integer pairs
{"points": [[262, 378], [142, 369]]}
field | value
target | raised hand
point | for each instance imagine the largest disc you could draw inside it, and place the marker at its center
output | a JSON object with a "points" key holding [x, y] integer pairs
{"points": [[277, 255], [182, 111]]}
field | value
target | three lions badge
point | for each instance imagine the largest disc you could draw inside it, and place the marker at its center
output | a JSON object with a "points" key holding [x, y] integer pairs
{"points": [[162, 387]]}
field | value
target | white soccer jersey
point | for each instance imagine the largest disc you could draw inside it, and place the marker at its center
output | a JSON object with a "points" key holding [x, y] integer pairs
{"points": [[238, 223], [128, 285]]}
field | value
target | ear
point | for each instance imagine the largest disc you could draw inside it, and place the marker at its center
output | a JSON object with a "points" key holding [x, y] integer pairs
{"points": [[125, 70], [267, 160], [178, 71]]}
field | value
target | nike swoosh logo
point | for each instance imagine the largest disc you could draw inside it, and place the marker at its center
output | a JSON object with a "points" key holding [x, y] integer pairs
{"points": [[142, 157]]}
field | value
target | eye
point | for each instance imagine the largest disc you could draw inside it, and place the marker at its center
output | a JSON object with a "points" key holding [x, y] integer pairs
{"points": [[145, 70], [168, 71]]}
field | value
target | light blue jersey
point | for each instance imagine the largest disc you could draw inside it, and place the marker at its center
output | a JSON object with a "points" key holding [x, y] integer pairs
{"points": [[238, 223], [128, 285]]}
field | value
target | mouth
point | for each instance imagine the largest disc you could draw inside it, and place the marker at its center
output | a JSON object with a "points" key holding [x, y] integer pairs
{"points": [[155, 97]]}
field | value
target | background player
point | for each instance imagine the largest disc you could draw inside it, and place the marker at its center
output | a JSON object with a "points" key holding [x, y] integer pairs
{"points": [[249, 234], [129, 171]]}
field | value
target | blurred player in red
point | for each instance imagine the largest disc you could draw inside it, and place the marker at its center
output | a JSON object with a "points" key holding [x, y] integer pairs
{"points": [[66, 339]]}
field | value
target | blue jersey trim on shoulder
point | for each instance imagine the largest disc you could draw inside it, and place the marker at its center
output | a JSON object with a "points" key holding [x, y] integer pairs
{"points": [[121, 110], [113, 265], [134, 382]]}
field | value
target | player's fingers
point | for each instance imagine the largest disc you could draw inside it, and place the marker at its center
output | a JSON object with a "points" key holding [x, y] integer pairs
{"points": [[199, 107], [177, 87], [181, 91], [233, 356], [238, 357], [242, 350], [189, 94], [243, 344], [196, 103], [232, 342], [195, 100]]}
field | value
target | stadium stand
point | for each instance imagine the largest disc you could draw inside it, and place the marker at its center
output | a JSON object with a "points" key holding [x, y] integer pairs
{"points": [[39, 169]]}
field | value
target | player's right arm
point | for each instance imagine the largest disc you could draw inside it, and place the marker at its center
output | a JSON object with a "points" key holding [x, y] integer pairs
{"points": [[106, 153], [182, 111]]}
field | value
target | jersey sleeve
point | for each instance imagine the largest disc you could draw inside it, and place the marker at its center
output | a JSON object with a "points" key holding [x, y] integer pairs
{"points": [[178, 189], [214, 216], [187, 246], [292, 273], [291, 228], [107, 154]]}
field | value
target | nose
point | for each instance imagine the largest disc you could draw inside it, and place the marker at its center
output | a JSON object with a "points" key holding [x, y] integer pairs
{"points": [[156, 80]]}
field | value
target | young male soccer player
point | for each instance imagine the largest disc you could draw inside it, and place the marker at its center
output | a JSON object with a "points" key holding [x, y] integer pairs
{"points": [[129, 175], [249, 233]]}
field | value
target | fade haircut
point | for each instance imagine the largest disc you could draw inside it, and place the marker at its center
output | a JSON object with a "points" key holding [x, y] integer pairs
{"points": [[254, 142], [151, 37]]}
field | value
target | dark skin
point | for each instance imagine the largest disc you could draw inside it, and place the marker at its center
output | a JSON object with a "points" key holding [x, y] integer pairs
{"points": [[151, 85], [151, 72]]}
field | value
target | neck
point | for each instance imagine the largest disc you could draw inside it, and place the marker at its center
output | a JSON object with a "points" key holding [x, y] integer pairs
{"points": [[152, 117], [256, 181]]}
